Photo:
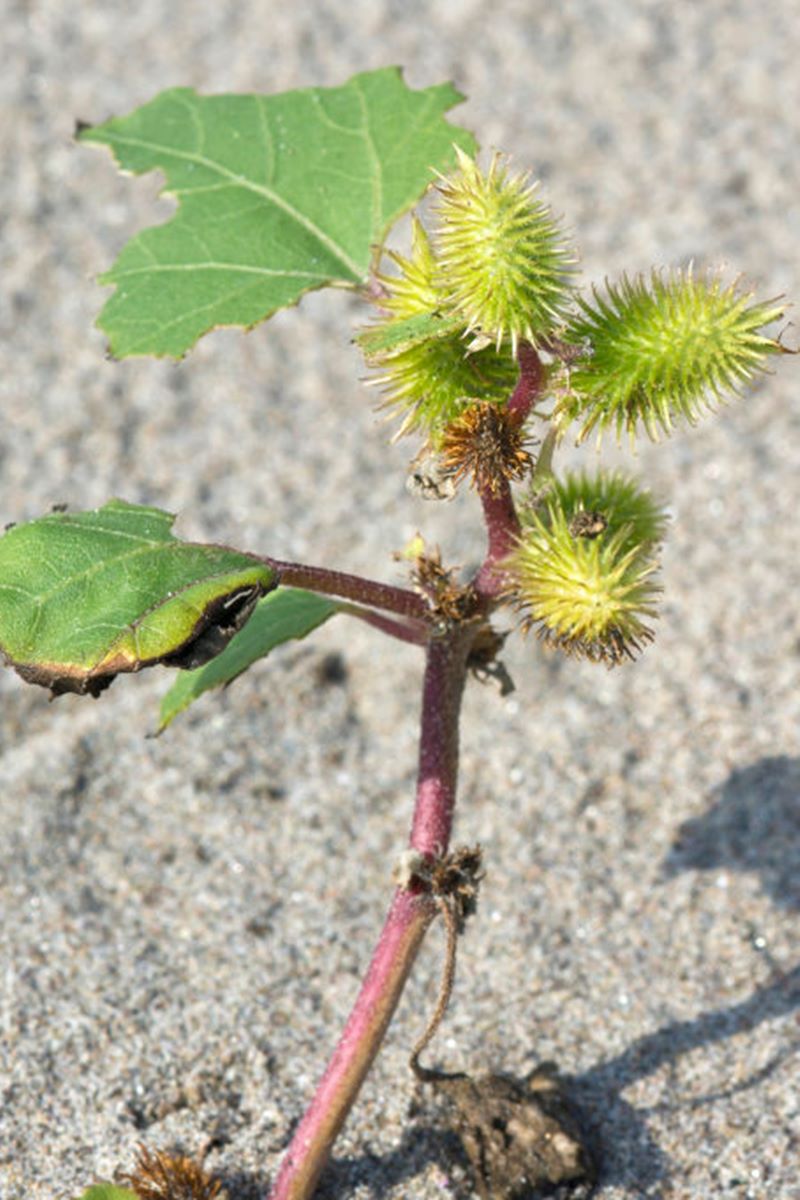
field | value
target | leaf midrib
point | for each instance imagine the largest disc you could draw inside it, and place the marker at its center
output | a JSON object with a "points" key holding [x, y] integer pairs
{"points": [[249, 185], [115, 559]]}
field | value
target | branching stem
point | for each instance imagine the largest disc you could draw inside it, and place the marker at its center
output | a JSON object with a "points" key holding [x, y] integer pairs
{"points": [[412, 909], [370, 592], [502, 528]]}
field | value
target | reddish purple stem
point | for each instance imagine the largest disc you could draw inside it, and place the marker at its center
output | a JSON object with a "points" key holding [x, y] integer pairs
{"points": [[409, 915], [405, 631], [502, 529], [500, 514], [445, 674], [411, 910], [530, 383], [394, 955], [401, 601]]}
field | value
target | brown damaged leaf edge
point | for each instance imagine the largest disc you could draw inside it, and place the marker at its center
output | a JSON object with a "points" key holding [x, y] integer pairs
{"points": [[220, 621]]}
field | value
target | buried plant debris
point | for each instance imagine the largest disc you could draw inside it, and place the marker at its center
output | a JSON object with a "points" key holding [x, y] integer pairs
{"points": [[522, 1137], [489, 357]]}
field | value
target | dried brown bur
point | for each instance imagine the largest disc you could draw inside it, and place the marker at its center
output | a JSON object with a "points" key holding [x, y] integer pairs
{"points": [[487, 444], [161, 1176], [522, 1137]]}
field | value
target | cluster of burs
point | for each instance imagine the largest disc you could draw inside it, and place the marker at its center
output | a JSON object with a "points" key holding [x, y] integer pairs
{"points": [[493, 286]]}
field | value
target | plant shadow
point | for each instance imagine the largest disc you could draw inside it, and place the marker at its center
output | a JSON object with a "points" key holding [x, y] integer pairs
{"points": [[631, 1157], [422, 1145], [753, 824]]}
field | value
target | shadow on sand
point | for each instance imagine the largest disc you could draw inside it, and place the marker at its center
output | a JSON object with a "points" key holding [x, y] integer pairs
{"points": [[752, 824]]}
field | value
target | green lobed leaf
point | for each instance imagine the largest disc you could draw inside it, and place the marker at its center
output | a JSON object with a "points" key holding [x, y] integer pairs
{"points": [[283, 615], [277, 195], [107, 1191], [85, 596]]}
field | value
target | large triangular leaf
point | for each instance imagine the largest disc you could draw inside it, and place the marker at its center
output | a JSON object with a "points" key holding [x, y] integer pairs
{"points": [[85, 596], [286, 614], [277, 195]]}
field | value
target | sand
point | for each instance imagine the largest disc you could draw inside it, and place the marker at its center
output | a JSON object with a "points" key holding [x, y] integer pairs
{"points": [[185, 920]]}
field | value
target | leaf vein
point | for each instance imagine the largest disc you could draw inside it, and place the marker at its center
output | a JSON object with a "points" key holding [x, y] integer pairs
{"points": [[216, 266], [328, 120], [249, 185], [377, 173]]}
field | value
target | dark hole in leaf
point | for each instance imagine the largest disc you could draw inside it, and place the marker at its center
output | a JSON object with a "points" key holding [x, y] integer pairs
{"points": [[222, 619]]}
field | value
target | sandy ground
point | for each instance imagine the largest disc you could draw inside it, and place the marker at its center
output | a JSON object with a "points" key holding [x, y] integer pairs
{"points": [[184, 921]]}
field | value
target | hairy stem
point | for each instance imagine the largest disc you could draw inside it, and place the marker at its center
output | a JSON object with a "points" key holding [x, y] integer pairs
{"points": [[500, 515], [443, 686], [532, 377], [394, 956], [409, 915], [401, 601], [502, 528]]}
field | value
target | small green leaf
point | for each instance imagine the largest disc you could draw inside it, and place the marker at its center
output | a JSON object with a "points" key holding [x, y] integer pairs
{"points": [[277, 195], [286, 614], [85, 596], [107, 1191], [393, 336]]}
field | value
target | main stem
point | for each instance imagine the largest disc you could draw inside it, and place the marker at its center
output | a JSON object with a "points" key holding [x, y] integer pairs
{"points": [[412, 909], [410, 913]]}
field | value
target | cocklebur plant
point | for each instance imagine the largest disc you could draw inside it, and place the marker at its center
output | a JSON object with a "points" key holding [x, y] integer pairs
{"points": [[488, 355]]}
